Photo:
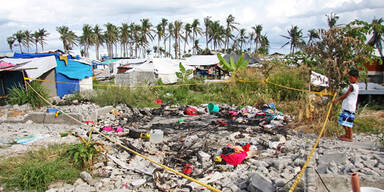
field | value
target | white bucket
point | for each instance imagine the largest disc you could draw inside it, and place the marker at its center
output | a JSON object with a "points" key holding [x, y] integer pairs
{"points": [[156, 136]]}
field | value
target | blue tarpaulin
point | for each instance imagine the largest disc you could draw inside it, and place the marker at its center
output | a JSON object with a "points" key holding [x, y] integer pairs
{"points": [[66, 88], [32, 55], [74, 69]]}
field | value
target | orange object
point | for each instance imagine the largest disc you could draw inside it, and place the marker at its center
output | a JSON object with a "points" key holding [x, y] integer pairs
{"points": [[355, 182]]}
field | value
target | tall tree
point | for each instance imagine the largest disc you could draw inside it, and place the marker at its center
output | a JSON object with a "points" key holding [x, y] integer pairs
{"points": [[207, 23], [231, 25], [216, 34], [295, 37], [36, 39], [164, 23], [177, 30], [27, 39], [187, 34], [68, 37], [159, 33], [242, 38], [43, 35], [257, 29], [332, 19], [146, 33], [251, 35], [312, 34], [86, 39], [111, 37], [19, 35], [136, 37], [377, 35], [264, 45], [196, 30], [124, 38], [170, 35], [98, 38], [11, 40]]}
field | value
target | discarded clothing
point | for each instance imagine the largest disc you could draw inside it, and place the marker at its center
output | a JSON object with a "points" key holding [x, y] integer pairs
{"points": [[234, 158]]}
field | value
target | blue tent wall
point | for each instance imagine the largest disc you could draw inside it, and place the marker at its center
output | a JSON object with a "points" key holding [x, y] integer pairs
{"points": [[74, 69], [10, 79], [66, 88]]}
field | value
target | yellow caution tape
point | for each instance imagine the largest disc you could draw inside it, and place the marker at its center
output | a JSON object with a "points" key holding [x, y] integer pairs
{"points": [[130, 150], [313, 148]]}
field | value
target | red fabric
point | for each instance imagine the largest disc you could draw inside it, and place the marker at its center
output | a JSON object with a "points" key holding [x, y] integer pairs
{"points": [[234, 158], [159, 101], [246, 147], [191, 111]]}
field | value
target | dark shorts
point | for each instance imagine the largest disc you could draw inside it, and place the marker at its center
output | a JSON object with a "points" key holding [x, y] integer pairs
{"points": [[346, 118]]}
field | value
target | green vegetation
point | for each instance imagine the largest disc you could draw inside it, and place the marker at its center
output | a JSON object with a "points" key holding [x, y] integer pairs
{"points": [[35, 170], [82, 154], [19, 95]]}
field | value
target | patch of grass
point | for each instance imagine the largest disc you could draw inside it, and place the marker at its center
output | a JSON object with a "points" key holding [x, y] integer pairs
{"points": [[367, 125], [18, 95], [35, 170]]}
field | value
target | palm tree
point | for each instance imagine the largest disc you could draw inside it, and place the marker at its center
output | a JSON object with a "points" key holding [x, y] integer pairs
{"points": [[264, 45], [145, 34], [187, 34], [11, 40], [36, 39], [377, 35], [27, 39], [332, 19], [132, 35], [111, 37], [68, 37], [196, 30], [164, 23], [312, 34], [196, 45], [136, 37], [43, 35], [252, 35], [207, 23], [228, 31], [159, 33], [295, 37], [124, 38], [177, 30], [216, 34], [19, 35], [242, 38], [170, 35], [98, 38], [257, 29], [87, 38]]}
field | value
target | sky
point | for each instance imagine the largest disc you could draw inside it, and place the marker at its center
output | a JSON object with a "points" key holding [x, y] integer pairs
{"points": [[276, 16]]}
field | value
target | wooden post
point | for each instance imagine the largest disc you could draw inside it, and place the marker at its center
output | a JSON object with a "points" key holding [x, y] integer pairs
{"points": [[25, 82]]}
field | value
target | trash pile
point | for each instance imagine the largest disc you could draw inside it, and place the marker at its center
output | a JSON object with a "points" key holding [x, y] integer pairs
{"points": [[209, 142]]}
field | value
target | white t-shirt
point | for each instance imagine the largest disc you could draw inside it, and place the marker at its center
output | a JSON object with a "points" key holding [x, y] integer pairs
{"points": [[349, 103]]}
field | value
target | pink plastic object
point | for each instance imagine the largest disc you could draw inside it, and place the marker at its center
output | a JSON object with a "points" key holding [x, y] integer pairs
{"points": [[159, 101], [119, 129], [5, 65], [107, 128], [235, 158], [89, 122]]}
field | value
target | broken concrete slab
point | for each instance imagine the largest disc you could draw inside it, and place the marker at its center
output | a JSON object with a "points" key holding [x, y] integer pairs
{"points": [[258, 183]]}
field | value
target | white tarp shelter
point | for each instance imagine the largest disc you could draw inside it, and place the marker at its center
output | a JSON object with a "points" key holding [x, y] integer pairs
{"points": [[201, 60], [36, 66]]}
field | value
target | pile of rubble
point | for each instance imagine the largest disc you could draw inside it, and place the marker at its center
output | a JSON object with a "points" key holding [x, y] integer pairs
{"points": [[192, 139]]}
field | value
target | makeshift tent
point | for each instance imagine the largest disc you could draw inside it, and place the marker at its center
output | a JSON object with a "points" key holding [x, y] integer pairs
{"points": [[166, 69], [141, 74], [40, 67], [71, 73], [201, 60]]}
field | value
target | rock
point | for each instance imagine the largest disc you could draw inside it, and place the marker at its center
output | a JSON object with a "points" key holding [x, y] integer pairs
{"points": [[325, 160], [279, 182], [138, 182], [87, 178], [371, 163], [103, 111], [75, 102], [280, 164], [258, 183], [205, 158], [79, 181], [84, 187]]}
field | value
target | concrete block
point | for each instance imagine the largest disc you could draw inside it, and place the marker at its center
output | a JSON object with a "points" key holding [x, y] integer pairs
{"points": [[258, 183], [50, 118]]}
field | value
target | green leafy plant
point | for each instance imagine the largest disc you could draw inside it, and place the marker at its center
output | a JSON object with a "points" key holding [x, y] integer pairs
{"points": [[82, 153], [183, 74], [233, 66], [18, 95]]}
